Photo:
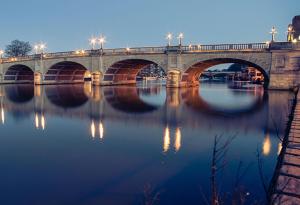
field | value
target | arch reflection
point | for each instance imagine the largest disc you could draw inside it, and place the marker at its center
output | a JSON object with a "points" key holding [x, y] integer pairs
{"points": [[19, 93], [66, 96], [127, 99], [193, 99]]}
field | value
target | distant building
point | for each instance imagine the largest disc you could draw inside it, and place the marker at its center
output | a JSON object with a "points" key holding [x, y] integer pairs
{"points": [[296, 27]]}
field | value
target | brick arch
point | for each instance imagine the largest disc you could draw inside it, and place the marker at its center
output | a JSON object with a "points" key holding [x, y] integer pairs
{"points": [[193, 70], [65, 72], [124, 71]]}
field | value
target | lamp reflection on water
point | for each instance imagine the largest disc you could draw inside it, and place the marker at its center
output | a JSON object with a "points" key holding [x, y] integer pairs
{"points": [[279, 148], [266, 149], [40, 121], [101, 130], [94, 129], [36, 121], [167, 140], [43, 122], [177, 143], [2, 115], [166, 143]]}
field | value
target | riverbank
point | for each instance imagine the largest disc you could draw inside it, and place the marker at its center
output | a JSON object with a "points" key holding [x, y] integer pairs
{"points": [[286, 185]]}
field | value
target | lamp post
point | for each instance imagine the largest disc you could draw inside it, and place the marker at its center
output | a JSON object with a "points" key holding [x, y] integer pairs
{"points": [[39, 48], [93, 42], [180, 38], [273, 33], [101, 41], [169, 37], [290, 33], [36, 49], [42, 47], [1, 54]]}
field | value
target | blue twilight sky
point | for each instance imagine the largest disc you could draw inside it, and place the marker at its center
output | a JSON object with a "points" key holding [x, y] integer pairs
{"points": [[68, 24]]}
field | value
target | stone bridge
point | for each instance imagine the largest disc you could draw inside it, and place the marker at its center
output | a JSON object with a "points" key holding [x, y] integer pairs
{"points": [[279, 62]]}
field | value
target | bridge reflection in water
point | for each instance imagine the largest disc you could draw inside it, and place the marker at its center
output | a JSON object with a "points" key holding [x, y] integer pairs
{"points": [[130, 120], [179, 108]]}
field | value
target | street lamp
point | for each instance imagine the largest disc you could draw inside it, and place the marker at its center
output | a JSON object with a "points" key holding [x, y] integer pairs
{"points": [[290, 33], [1, 54], [42, 47], [39, 48], [169, 37], [294, 40], [273, 33], [101, 41], [93, 42], [180, 38], [36, 49]]}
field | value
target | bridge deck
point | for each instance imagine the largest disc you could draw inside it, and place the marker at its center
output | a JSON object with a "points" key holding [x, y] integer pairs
{"points": [[288, 181]]}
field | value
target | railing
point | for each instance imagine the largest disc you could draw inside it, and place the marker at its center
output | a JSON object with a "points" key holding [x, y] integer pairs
{"points": [[160, 50], [226, 47]]}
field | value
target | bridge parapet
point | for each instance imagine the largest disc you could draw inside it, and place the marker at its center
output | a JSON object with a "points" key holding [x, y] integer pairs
{"points": [[226, 47], [144, 50], [285, 46]]}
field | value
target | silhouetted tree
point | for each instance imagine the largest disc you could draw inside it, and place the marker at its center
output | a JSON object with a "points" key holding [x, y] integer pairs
{"points": [[236, 67], [17, 48]]}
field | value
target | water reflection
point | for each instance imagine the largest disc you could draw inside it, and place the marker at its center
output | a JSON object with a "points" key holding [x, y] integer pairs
{"points": [[182, 106], [139, 128], [127, 99], [279, 148], [2, 115], [97, 129], [70, 96], [19, 93], [40, 121], [233, 103], [177, 143], [167, 140], [266, 149]]}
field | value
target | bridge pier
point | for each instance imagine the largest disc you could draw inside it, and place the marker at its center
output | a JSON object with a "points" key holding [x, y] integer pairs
{"points": [[175, 79], [285, 66], [38, 78], [96, 78]]}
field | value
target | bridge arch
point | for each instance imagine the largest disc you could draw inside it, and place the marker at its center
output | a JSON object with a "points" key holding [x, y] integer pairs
{"points": [[66, 72], [194, 69], [126, 70], [19, 73]]}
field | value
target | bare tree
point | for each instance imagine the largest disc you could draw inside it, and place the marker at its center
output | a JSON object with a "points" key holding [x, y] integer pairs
{"points": [[218, 163], [18, 48], [150, 196]]}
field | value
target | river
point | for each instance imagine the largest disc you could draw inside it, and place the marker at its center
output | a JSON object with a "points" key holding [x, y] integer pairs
{"points": [[78, 144]]}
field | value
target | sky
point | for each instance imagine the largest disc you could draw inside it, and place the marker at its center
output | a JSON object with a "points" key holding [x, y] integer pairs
{"points": [[68, 24]]}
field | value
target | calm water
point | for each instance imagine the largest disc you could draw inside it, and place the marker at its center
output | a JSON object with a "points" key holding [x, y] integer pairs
{"points": [[127, 145]]}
